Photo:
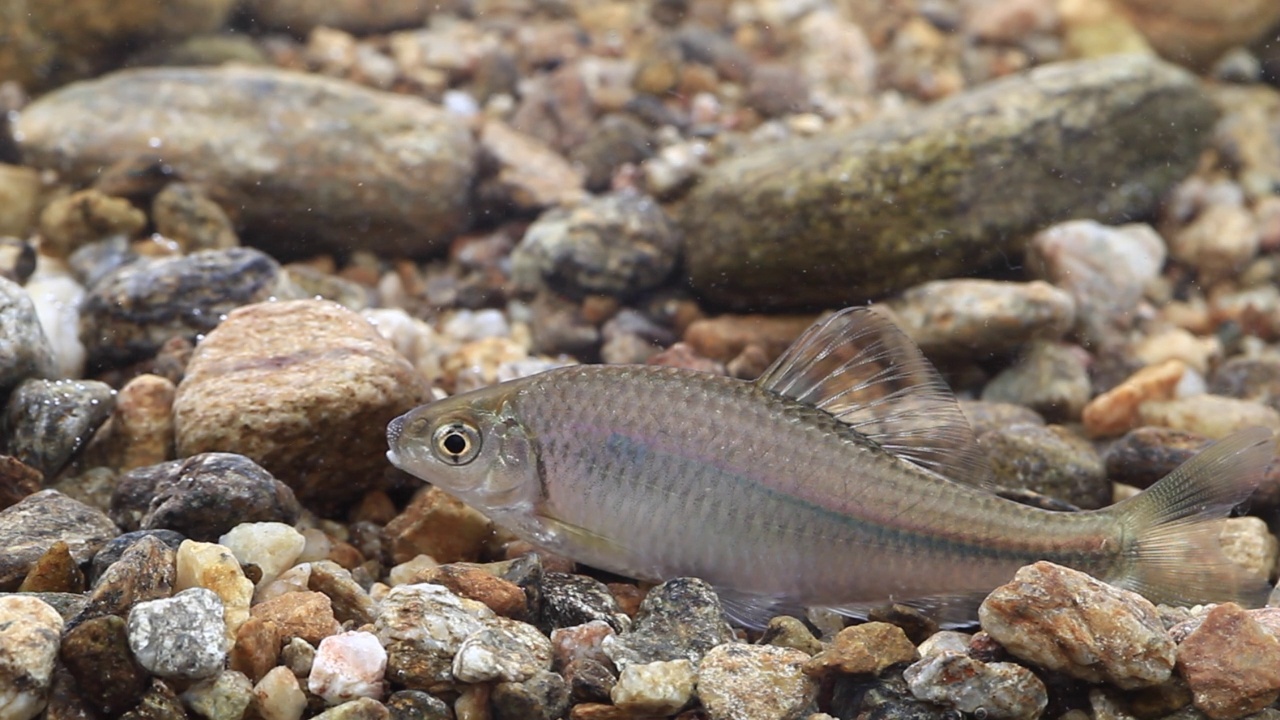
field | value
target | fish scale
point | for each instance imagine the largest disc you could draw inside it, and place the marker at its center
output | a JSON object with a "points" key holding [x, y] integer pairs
{"points": [[844, 477]]}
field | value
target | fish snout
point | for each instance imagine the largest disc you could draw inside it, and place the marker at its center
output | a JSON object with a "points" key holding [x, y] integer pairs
{"points": [[394, 429]]}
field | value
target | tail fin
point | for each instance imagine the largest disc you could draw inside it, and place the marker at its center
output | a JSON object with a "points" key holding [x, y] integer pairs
{"points": [[1171, 530]]}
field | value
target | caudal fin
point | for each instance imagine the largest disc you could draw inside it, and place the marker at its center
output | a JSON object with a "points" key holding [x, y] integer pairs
{"points": [[1171, 530]]}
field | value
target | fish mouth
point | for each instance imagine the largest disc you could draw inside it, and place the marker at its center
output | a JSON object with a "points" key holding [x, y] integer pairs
{"points": [[394, 429]]}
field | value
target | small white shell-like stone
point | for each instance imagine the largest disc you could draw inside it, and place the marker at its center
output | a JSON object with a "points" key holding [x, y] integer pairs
{"points": [[348, 665]]}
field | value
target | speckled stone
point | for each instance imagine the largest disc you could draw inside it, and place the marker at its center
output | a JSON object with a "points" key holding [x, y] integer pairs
{"points": [[225, 696], [146, 570], [96, 653], [1231, 663], [506, 651], [179, 637], [417, 705], [503, 597], [973, 318], [116, 547], [29, 528], [545, 696], [129, 314], [351, 602], [741, 221], [1256, 379], [183, 213], [401, 175], [324, 384], [680, 618], [159, 702], [140, 430], [69, 222], [47, 421], [1066, 621], [567, 600], [866, 649], [201, 497], [755, 682], [422, 626], [24, 349], [27, 655], [1049, 460], [618, 245], [1003, 691], [358, 709]]}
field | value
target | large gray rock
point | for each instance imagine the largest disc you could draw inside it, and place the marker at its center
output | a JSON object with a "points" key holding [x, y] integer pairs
{"points": [[310, 163], [946, 191]]}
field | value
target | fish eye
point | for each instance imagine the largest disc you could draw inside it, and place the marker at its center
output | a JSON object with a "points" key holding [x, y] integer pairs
{"points": [[457, 443]]}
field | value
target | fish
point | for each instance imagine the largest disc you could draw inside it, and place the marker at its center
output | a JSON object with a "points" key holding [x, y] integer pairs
{"points": [[845, 478]]}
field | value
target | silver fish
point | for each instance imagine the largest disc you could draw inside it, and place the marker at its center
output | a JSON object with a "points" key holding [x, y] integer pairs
{"points": [[845, 477]]}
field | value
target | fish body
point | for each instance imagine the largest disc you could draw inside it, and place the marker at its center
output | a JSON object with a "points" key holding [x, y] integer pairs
{"points": [[844, 478]]}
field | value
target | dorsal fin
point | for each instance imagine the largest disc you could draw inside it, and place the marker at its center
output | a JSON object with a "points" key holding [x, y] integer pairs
{"points": [[861, 368]]}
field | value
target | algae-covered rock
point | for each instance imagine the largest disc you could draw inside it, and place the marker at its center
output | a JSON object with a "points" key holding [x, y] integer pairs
{"points": [[858, 214]]}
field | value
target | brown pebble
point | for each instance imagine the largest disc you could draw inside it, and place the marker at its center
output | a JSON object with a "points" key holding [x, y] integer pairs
{"points": [[724, 338], [303, 614], [55, 571], [96, 653], [1231, 663], [599, 711], [1116, 411], [437, 524], [863, 650], [628, 596], [139, 432], [148, 570], [503, 598], [17, 480], [350, 602], [375, 507], [345, 554], [257, 648]]}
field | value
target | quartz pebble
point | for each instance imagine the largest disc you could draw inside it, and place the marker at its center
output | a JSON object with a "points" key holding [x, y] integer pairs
{"points": [[1231, 664], [213, 567], [1063, 620], [1003, 691], [272, 547], [1247, 542], [278, 695], [57, 296], [654, 688], [348, 665], [27, 654], [179, 637], [755, 682], [506, 650]]}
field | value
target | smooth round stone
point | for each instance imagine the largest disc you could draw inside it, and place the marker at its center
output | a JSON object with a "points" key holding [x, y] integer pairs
{"points": [[304, 388], [271, 546]]}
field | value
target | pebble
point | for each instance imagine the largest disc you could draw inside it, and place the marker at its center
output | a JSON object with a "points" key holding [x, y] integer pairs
{"points": [[1065, 621], [272, 547], [975, 318], [866, 649], [147, 570], [788, 632], [324, 384], [1117, 410], [417, 705], [55, 572], [358, 709], [17, 480], [226, 696], [202, 496], [351, 603], [140, 430], [581, 642], [589, 681], [112, 551], [568, 600], [737, 681], [1212, 416], [214, 567], [1051, 378], [179, 637], [347, 666], [184, 213], [654, 688], [1231, 663], [726, 337], [414, 162], [25, 351], [1248, 543], [256, 649], [298, 655], [278, 696], [1199, 353], [96, 654], [1049, 460], [304, 614], [27, 655], [1196, 34], [1146, 454], [130, 313], [999, 690], [46, 422], [738, 252], [422, 627], [503, 597], [57, 295], [19, 198], [159, 702], [545, 696], [29, 527], [617, 139], [529, 175], [1218, 243], [1256, 379], [505, 651], [74, 220], [681, 618], [438, 525], [619, 245]]}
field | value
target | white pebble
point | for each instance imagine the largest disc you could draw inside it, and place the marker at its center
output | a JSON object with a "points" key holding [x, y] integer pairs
{"points": [[656, 688], [272, 546], [348, 665], [279, 695], [28, 649], [57, 295], [213, 567]]}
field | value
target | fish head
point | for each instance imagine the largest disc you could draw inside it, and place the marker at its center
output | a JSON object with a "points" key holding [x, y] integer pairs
{"points": [[471, 447]]}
